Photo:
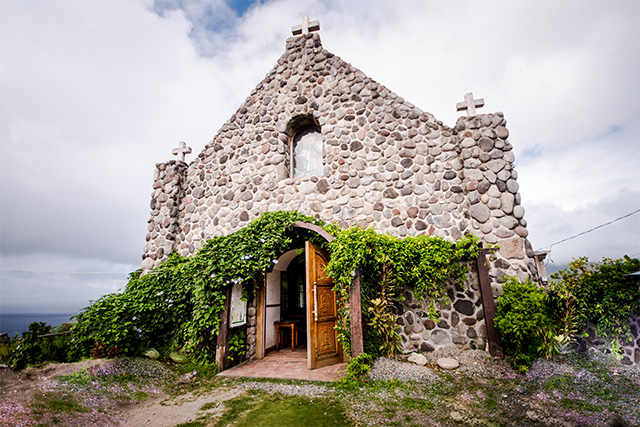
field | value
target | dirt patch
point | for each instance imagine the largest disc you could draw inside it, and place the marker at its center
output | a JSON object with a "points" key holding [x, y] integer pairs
{"points": [[20, 385], [182, 409]]}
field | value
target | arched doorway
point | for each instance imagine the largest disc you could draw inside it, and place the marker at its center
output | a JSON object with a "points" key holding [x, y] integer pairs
{"points": [[285, 298], [299, 290]]}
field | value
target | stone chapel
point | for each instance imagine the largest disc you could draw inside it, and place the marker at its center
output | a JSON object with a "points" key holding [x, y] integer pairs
{"points": [[318, 136]]}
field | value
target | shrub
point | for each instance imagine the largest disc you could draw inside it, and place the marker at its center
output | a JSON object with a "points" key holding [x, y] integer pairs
{"points": [[602, 293], [357, 372], [525, 322], [30, 349], [177, 305]]}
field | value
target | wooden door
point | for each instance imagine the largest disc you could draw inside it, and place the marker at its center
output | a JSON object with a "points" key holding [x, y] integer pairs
{"points": [[322, 338]]}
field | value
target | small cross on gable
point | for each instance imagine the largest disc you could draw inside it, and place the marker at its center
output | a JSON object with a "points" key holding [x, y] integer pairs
{"points": [[470, 104], [306, 26], [181, 150]]}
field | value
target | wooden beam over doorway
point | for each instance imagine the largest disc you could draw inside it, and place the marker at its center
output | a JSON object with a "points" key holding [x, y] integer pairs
{"points": [[308, 226]]}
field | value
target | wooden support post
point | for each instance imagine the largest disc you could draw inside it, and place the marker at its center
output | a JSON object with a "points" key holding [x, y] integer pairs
{"points": [[223, 335], [260, 324], [488, 305], [355, 314]]}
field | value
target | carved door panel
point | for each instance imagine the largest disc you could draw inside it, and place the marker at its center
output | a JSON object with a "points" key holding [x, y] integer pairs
{"points": [[322, 312]]}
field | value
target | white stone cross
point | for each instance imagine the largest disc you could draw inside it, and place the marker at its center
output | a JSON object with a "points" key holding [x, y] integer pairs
{"points": [[470, 104], [181, 150], [306, 26]]}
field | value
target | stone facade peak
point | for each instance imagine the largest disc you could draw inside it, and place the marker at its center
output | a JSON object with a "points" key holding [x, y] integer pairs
{"points": [[376, 161]]}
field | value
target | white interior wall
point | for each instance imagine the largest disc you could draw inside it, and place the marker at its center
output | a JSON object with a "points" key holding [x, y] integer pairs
{"points": [[272, 297]]}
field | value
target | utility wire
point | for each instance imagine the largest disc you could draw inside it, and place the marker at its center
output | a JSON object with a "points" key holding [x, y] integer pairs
{"points": [[609, 235], [590, 230]]}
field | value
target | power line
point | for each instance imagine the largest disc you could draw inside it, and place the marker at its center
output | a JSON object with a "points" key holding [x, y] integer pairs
{"points": [[609, 235], [592, 229]]}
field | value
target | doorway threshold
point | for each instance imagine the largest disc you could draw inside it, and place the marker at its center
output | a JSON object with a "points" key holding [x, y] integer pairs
{"points": [[285, 364]]}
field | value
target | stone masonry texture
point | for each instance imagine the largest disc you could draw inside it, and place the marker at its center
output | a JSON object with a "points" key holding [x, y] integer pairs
{"points": [[387, 165]]}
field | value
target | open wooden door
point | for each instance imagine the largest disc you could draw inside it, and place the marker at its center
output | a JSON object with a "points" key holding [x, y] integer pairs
{"points": [[322, 338]]}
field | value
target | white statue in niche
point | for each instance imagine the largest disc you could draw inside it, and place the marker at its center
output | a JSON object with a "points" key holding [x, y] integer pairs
{"points": [[307, 152]]}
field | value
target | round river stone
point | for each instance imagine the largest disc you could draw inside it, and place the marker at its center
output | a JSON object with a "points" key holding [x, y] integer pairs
{"points": [[447, 363]]}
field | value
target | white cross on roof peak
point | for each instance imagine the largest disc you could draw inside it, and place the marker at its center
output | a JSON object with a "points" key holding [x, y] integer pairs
{"points": [[306, 27], [470, 104], [181, 150]]}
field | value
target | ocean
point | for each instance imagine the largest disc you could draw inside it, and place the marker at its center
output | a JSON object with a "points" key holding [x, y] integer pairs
{"points": [[18, 323]]}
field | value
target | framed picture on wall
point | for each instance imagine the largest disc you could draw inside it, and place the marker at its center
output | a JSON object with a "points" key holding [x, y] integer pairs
{"points": [[238, 306]]}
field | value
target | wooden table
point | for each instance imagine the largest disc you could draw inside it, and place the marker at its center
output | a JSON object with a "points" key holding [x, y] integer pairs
{"points": [[282, 326]]}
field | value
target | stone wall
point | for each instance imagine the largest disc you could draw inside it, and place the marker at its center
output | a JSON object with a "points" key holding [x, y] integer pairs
{"points": [[461, 320], [252, 321], [165, 220], [630, 348], [387, 164]]}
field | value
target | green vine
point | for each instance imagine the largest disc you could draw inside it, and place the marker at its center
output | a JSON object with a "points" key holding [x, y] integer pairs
{"points": [[237, 345], [601, 293], [177, 305], [387, 265]]}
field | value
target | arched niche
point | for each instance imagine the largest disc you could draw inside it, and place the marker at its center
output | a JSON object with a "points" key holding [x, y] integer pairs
{"points": [[306, 147]]}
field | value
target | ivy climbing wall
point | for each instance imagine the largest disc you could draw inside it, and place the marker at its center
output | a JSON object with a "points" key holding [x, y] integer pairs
{"points": [[629, 345], [461, 321], [386, 164]]}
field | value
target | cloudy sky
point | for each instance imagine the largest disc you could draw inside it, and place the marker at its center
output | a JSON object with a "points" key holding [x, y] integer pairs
{"points": [[94, 93]]}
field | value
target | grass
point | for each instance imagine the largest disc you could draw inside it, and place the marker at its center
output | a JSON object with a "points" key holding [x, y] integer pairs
{"points": [[284, 411], [235, 408], [417, 404], [490, 402], [55, 408], [209, 405], [578, 405], [141, 396], [57, 402]]}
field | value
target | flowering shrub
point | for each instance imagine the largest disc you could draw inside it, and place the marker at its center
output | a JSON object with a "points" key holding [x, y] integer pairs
{"points": [[178, 304]]}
